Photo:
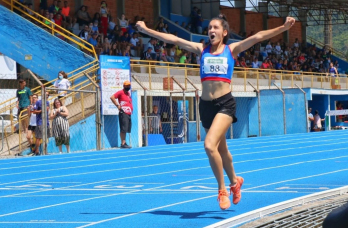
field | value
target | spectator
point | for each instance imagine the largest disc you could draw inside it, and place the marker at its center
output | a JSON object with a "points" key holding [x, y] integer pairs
{"points": [[62, 83], [24, 96], [339, 118], [106, 46], [95, 26], [194, 15], [151, 44], [255, 64], [310, 118], [32, 120], [126, 51], [111, 24], [125, 108], [114, 50], [183, 58], [66, 9], [199, 21], [166, 28], [43, 5], [333, 71], [39, 127], [155, 121], [60, 125], [136, 44], [83, 16], [85, 33], [104, 17], [99, 47], [317, 121], [123, 22], [147, 54], [53, 8], [93, 40]]}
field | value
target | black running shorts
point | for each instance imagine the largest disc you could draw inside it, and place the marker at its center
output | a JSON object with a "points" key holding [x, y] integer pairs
{"points": [[225, 104]]}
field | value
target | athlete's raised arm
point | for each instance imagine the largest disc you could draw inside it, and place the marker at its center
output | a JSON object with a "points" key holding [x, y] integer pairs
{"points": [[261, 36], [169, 38]]}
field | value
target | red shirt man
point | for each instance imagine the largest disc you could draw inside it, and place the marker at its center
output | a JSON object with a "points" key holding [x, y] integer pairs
{"points": [[125, 107]]}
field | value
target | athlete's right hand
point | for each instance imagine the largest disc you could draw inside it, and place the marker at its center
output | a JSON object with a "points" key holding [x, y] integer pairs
{"points": [[141, 26]]}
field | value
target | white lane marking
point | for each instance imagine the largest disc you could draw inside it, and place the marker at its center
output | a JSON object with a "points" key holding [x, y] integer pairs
{"points": [[184, 155], [183, 202], [319, 188], [249, 141], [43, 222], [82, 200]]}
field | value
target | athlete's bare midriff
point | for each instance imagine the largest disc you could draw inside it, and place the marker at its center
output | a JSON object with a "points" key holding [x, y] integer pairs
{"points": [[214, 89]]}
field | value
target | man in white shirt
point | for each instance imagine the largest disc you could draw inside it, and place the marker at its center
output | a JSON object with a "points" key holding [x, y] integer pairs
{"points": [[136, 43], [150, 45]]}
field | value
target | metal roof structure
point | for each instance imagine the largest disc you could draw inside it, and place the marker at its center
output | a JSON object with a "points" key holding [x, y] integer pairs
{"points": [[317, 12]]}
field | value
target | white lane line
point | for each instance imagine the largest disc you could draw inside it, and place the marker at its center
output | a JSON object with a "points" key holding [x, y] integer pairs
{"points": [[177, 146], [43, 222], [184, 155], [110, 195], [183, 202]]}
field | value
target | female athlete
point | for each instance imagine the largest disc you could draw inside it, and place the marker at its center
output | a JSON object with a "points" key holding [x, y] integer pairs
{"points": [[217, 106]]}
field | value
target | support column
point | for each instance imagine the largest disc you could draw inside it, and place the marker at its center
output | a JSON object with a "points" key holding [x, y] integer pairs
{"points": [[263, 8], [241, 5], [120, 7], [284, 12], [303, 19], [328, 28]]}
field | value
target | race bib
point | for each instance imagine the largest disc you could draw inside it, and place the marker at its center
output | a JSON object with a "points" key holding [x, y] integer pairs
{"points": [[215, 65]]}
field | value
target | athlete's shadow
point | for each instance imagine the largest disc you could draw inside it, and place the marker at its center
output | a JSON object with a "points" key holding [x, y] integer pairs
{"points": [[183, 215]]}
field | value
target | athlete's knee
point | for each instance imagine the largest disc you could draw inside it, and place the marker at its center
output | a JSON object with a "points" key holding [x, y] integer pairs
{"points": [[210, 146]]}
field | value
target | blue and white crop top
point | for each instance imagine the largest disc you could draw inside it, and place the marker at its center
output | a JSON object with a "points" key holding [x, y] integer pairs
{"points": [[217, 67]]}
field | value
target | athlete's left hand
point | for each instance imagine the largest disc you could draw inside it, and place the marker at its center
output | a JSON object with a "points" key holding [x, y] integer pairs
{"points": [[290, 21]]}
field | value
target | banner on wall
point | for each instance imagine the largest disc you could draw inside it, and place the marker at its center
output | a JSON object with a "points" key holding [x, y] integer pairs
{"points": [[114, 70], [8, 68], [182, 118]]}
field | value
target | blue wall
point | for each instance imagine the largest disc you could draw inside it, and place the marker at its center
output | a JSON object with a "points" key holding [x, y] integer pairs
{"points": [[50, 54], [295, 111]]}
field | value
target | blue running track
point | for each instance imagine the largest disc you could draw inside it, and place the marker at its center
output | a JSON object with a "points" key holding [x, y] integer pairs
{"points": [[165, 186]]}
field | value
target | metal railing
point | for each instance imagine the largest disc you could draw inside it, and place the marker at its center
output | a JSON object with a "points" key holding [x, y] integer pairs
{"points": [[53, 27], [335, 52], [157, 76]]}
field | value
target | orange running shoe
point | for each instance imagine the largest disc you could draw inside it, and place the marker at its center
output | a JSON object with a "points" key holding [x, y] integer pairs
{"points": [[223, 199], [235, 190]]}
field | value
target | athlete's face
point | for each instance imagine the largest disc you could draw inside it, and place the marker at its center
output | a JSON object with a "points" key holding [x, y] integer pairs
{"points": [[216, 32]]}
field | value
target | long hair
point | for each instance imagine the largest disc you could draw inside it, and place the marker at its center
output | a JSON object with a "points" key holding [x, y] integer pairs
{"points": [[225, 25]]}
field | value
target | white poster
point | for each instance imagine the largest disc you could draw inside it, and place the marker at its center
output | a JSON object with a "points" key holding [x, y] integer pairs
{"points": [[8, 68], [114, 71]]}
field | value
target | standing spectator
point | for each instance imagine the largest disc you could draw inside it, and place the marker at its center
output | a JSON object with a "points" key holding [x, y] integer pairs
{"points": [[32, 120], [333, 70], [66, 10], [39, 127], [24, 96], [60, 125], [123, 23], [310, 119], [62, 83], [52, 8], [125, 108], [155, 121], [317, 121], [339, 117], [104, 17]]}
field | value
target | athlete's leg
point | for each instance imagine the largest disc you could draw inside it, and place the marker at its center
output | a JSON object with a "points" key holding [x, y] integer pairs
{"points": [[214, 135], [227, 160]]}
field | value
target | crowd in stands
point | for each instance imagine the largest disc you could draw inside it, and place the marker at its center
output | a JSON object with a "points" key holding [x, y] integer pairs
{"points": [[120, 38]]}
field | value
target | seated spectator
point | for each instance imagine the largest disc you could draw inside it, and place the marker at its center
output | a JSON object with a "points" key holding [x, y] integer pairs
{"points": [[184, 58], [136, 44], [147, 54], [151, 44], [255, 64], [106, 47], [85, 33], [199, 21], [111, 25], [93, 39], [126, 51], [83, 16], [95, 26], [99, 47], [114, 49], [166, 28]]}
